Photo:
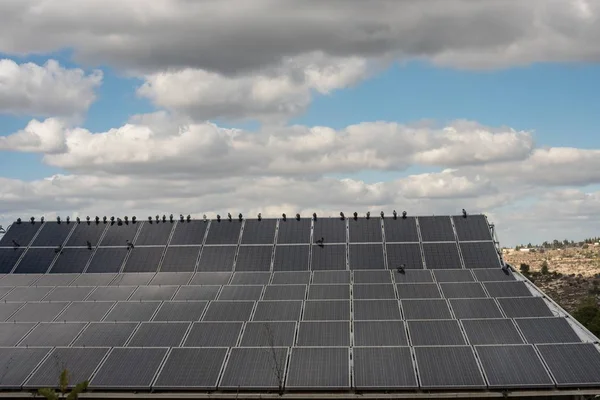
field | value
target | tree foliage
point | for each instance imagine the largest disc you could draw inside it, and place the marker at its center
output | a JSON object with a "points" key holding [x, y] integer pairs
{"points": [[63, 385], [588, 314]]}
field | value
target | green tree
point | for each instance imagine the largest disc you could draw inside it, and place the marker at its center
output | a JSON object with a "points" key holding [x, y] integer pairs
{"points": [[588, 314], [524, 268], [544, 269], [63, 386]]}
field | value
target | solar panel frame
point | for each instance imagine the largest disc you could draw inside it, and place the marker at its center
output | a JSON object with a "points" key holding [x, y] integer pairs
{"points": [[441, 256], [189, 233], [216, 259], [213, 334], [407, 254], [323, 334], [332, 230], [259, 231], [329, 368], [376, 368], [292, 231], [105, 334], [17, 363], [86, 232], [380, 333], [36, 261], [51, 334], [462, 290], [223, 232], [9, 257], [475, 308], [107, 260], [180, 311], [254, 258], [118, 235], [418, 291], [52, 234], [441, 332], [474, 227], [448, 367], [478, 255], [22, 233], [326, 310], [85, 311], [159, 334], [547, 330], [328, 257], [364, 230], [425, 309], [572, 364], [491, 331], [132, 311], [180, 259], [366, 256], [436, 229], [368, 310], [400, 230], [291, 258], [280, 310], [71, 261], [269, 334], [251, 368], [191, 369], [143, 259]]}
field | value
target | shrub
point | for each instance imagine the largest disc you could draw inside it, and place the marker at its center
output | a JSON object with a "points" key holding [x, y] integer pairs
{"points": [[544, 269], [524, 268]]}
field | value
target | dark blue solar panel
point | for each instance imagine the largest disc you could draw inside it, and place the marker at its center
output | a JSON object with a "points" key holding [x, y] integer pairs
{"points": [[400, 230], [291, 258], [259, 232], [8, 259], [53, 234], [118, 235], [86, 232], [366, 256], [364, 230], [143, 259], [217, 258], [328, 257], [180, 259], [21, 233], [408, 255], [72, 261], [189, 232], [293, 231], [254, 258], [36, 261], [474, 227], [107, 260], [155, 233], [436, 229], [331, 230], [224, 232], [441, 256], [480, 255]]}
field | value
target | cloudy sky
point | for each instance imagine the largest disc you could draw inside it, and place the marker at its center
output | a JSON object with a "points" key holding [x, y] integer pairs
{"points": [[123, 107]]}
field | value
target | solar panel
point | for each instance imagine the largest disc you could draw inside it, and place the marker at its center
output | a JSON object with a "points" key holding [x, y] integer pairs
{"points": [[71, 261], [159, 334], [250, 278], [50, 334], [474, 227], [291, 258], [407, 255], [213, 334], [104, 293], [131, 368], [285, 292], [80, 362], [88, 279], [331, 230], [154, 234], [180, 311], [8, 309], [319, 368], [107, 260], [383, 368], [8, 259], [462, 290], [52, 234], [35, 261], [373, 291], [4, 290], [254, 258], [154, 293], [288, 310], [522, 307], [57, 280], [143, 259], [491, 331], [329, 292], [130, 279], [379, 333], [171, 278], [19, 279], [575, 364], [426, 309], [493, 274], [330, 333], [259, 231], [366, 256], [21, 233], [11, 333], [86, 232], [38, 312], [412, 276], [105, 334], [32, 293], [480, 255], [255, 368], [418, 291], [17, 363], [293, 231], [441, 256], [189, 232], [210, 278], [372, 276], [365, 230], [324, 277], [217, 258], [241, 292], [475, 308], [547, 330], [447, 367], [291, 278], [85, 311], [269, 334], [435, 333], [228, 311], [436, 229], [191, 369], [328, 257], [326, 310], [69, 293], [376, 310], [208, 292], [453, 275], [223, 232], [400, 230], [513, 366], [118, 235], [180, 259], [507, 289], [132, 311]]}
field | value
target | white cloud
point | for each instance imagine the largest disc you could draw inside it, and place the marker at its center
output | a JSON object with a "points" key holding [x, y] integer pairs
{"points": [[38, 137], [49, 89]]}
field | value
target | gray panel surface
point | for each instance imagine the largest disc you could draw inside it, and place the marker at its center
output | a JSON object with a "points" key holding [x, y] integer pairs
{"points": [[475, 308], [7, 309], [462, 290], [133, 279], [53, 234], [158, 334], [118, 235], [50, 334], [86, 232], [189, 232], [92, 279], [516, 366], [82, 311], [407, 255], [8, 259], [324, 277], [69, 293], [318, 368], [223, 232], [379, 333], [17, 363], [507, 289], [493, 274], [269, 334], [229, 311], [21, 233], [441, 256], [329, 292], [38, 312], [320, 333], [36, 261], [376, 310], [259, 232], [180, 311], [435, 333], [107, 260], [241, 292], [453, 275], [326, 310], [213, 334], [105, 334], [285, 292], [332, 230], [143, 259], [491, 331], [254, 368], [291, 258], [412, 276], [180, 259], [153, 293], [400, 230], [210, 278], [132, 311], [58, 280], [366, 256], [207, 292], [191, 369], [572, 364], [426, 309], [11, 333], [371, 276], [364, 230], [448, 367], [522, 307], [278, 310], [19, 279], [129, 368], [31, 293], [418, 291], [383, 368], [328, 257], [294, 231], [154, 234], [291, 278], [71, 261], [436, 229], [109, 293], [171, 278], [474, 227], [80, 362], [254, 258], [547, 330], [250, 278], [373, 292], [217, 258], [479, 255]]}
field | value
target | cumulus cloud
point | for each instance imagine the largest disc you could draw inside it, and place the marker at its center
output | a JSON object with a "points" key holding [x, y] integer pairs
{"points": [[224, 37], [49, 89], [38, 137]]}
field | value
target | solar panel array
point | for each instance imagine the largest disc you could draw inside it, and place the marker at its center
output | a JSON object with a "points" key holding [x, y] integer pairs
{"points": [[266, 305]]}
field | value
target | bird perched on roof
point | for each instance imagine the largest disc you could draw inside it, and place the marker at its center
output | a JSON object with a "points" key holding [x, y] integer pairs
{"points": [[89, 245], [320, 242], [401, 268], [129, 245]]}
